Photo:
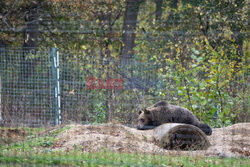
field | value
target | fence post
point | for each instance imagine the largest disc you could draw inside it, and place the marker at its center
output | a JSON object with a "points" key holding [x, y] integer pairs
{"points": [[56, 84]]}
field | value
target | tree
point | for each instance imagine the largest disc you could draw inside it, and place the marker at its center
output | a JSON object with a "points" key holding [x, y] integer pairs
{"points": [[158, 12], [129, 27]]}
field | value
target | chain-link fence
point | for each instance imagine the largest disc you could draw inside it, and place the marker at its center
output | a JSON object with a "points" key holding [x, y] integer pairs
{"points": [[53, 86], [46, 87], [27, 96], [101, 89]]}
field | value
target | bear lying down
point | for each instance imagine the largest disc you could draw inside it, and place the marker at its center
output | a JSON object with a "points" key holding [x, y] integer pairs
{"points": [[162, 112]]}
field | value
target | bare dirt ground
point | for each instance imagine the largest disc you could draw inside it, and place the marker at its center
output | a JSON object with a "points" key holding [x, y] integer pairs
{"points": [[10, 135], [232, 141], [13, 134]]}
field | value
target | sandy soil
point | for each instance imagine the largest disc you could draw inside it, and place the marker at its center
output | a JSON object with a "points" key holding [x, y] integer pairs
{"points": [[232, 141]]}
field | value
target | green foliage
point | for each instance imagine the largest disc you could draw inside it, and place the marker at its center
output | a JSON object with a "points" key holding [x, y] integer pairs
{"points": [[205, 84], [198, 50], [99, 113], [202, 60]]}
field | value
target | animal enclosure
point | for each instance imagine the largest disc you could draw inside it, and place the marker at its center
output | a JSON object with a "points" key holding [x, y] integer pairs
{"points": [[50, 86]]}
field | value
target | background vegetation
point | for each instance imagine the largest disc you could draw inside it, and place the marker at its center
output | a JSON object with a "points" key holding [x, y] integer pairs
{"points": [[191, 53]]}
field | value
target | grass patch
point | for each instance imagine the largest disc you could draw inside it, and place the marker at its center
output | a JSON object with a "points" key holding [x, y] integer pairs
{"points": [[107, 158], [30, 131], [34, 142], [10, 135]]}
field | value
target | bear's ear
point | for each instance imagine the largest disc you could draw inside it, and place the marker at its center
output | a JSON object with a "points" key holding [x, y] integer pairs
{"points": [[140, 111], [147, 111]]}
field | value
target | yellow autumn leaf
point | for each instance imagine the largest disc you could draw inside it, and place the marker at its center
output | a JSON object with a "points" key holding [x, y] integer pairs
{"points": [[72, 92], [84, 47], [110, 47], [222, 52], [178, 50]]}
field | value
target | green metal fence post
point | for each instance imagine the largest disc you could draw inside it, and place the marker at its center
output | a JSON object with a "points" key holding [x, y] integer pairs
{"points": [[56, 84]]}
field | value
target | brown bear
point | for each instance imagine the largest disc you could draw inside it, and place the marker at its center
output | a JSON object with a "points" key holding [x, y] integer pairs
{"points": [[162, 112]]}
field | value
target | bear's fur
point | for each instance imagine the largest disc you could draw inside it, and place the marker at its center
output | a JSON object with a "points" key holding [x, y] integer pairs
{"points": [[162, 112]]}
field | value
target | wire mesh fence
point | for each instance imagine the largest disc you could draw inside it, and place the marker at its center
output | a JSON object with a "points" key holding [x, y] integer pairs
{"points": [[48, 87], [26, 82], [51, 86], [96, 89]]}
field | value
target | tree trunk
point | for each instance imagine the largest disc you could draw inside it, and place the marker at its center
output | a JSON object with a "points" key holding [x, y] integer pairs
{"points": [[30, 41], [2, 73], [158, 12], [28, 60], [129, 27]]}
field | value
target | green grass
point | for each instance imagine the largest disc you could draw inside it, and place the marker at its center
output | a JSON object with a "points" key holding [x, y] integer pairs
{"points": [[33, 142], [29, 131], [107, 158]]}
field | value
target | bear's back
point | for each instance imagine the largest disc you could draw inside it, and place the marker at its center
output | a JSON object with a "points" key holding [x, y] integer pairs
{"points": [[171, 113], [161, 103]]}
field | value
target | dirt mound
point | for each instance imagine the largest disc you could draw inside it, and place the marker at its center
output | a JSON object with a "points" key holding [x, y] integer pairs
{"points": [[114, 137], [230, 141], [8, 136]]}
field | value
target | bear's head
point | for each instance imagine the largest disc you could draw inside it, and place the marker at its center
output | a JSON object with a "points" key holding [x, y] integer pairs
{"points": [[144, 120]]}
